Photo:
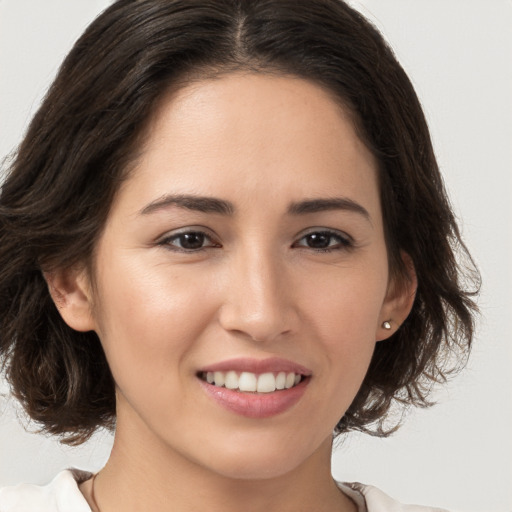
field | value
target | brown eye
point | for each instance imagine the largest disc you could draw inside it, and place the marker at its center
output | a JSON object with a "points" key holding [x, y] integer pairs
{"points": [[318, 240], [324, 241], [188, 241], [191, 240]]}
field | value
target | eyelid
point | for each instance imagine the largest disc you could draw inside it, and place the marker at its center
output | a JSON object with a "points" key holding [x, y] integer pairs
{"points": [[347, 242], [165, 239], [331, 231]]}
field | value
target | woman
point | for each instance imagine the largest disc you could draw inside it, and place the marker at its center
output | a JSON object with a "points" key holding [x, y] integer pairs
{"points": [[225, 236]]}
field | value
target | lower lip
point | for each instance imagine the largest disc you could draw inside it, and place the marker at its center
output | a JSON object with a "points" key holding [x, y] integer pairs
{"points": [[256, 405]]}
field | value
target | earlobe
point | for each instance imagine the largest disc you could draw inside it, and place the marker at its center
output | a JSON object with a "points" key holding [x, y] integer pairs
{"points": [[398, 302], [70, 291]]}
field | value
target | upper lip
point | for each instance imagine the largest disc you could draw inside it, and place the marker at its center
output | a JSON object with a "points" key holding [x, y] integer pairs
{"points": [[272, 364]]}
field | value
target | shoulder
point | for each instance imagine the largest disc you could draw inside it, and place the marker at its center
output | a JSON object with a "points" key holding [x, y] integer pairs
{"points": [[60, 495], [371, 499]]}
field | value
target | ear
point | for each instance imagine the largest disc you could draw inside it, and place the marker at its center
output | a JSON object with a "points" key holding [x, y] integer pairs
{"points": [[398, 302], [71, 292]]}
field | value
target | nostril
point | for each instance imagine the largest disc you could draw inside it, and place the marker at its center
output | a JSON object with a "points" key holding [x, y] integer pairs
{"points": [[257, 306]]}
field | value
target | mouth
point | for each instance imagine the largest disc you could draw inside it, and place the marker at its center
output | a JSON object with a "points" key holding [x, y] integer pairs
{"points": [[255, 388], [249, 382]]}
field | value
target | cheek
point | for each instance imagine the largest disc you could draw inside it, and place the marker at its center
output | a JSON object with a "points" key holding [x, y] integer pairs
{"points": [[149, 316], [344, 309], [345, 301]]}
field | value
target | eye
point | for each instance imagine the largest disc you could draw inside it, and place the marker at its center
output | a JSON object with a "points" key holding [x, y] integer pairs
{"points": [[324, 241], [188, 241]]}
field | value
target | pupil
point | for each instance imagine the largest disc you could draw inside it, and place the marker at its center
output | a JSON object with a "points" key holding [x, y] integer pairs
{"points": [[192, 240], [319, 240]]}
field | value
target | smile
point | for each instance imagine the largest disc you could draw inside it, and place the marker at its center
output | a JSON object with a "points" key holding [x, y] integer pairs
{"points": [[249, 382], [255, 388]]}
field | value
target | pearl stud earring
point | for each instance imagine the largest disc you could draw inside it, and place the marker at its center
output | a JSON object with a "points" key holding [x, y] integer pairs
{"points": [[386, 325]]}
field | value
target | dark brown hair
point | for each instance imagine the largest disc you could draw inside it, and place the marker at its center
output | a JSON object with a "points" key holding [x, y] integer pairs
{"points": [[56, 197]]}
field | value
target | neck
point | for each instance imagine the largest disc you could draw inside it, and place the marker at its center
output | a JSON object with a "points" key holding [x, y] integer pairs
{"points": [[143, 474]]}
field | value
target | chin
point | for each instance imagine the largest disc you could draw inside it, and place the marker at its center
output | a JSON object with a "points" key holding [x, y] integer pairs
{"points": [[262, 469], [266, 456]]}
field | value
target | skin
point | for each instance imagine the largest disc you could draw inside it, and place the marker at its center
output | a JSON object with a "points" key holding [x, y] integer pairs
{"points": [[257, 289]]}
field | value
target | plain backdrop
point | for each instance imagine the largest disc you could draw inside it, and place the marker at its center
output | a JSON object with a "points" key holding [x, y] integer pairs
{"points": [[458, 54]]}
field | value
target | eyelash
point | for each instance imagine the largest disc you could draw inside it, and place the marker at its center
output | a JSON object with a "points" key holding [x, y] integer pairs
{"points": [[344, 242], [168, 241]]}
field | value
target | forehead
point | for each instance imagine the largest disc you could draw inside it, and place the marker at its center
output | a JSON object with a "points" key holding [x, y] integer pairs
{"points": [[243, 134]]}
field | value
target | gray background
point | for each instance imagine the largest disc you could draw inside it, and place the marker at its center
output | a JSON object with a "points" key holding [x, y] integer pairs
{"points": [[459, 55]]}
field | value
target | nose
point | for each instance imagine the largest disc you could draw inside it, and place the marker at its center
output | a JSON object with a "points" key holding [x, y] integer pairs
{"points": [[258, 297]]}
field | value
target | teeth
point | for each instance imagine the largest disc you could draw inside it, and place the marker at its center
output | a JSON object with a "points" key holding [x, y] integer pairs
{"points": [[280, 380], [231, 381], [250, 382], [266, 383], [218, 378], [247, 382], [290, 380]]}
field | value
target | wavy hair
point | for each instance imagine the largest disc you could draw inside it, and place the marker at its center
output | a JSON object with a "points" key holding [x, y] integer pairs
{"points": [[79, 147]]}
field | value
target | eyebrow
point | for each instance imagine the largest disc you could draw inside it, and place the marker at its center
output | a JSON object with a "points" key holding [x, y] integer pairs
{"points": [[207, 204], [191, 202], [320, 205]]}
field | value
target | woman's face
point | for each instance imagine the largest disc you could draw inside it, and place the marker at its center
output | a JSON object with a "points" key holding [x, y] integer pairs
{"points": [[247, 243]]}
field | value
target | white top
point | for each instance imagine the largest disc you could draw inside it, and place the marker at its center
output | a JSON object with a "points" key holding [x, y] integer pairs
{"points": [[63, 495]]}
